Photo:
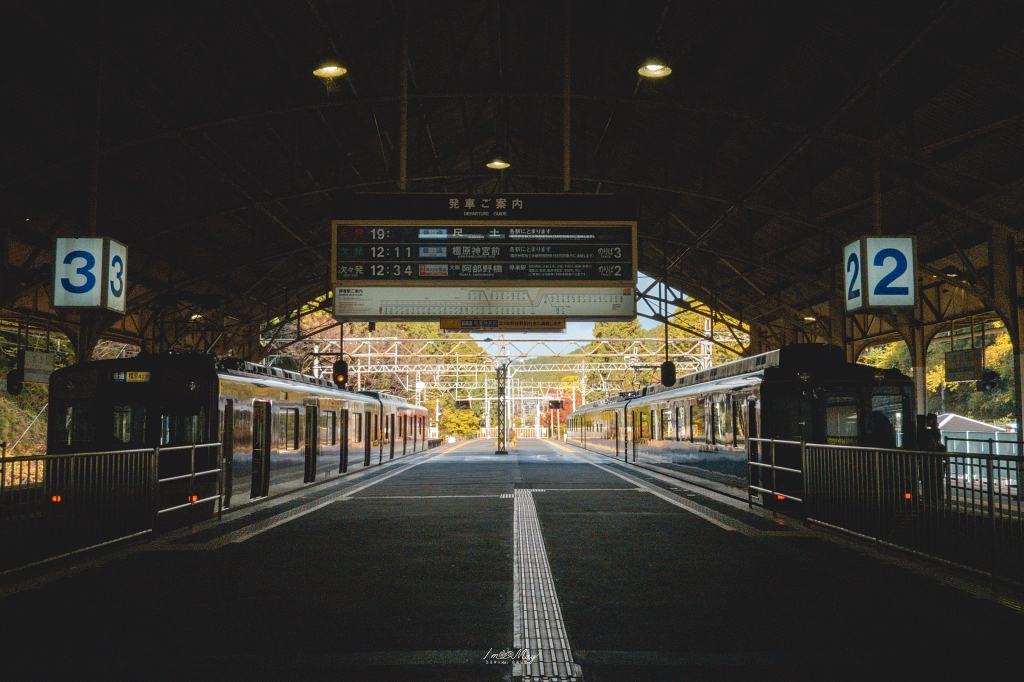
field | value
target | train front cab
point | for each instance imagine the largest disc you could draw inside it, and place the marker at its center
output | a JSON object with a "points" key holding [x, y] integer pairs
{"points": [[815, 396], [142, 402]]}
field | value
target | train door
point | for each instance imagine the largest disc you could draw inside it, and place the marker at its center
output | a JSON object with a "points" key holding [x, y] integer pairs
{"points": [[343, 466], [260, 449], [405, 433], [312, 443], [616, 435], [391, 435], [366, 439], [227, 447], [791, 418], [753, 447], [378, 432]]}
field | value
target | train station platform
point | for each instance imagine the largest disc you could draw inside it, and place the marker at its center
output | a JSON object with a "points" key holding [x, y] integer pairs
{"points": [[547, 563]]}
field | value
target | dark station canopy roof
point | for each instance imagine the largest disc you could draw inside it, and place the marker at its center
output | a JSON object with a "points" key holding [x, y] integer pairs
{"points": [[784, 131]]}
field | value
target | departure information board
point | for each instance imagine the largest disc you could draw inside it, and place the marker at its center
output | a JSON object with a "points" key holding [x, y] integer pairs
{"points": [[426, 256], [583, 254]]}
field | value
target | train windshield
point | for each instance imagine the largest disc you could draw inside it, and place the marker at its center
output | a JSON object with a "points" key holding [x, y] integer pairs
{"points": [[887, 420], [841, 420], [79, 423], [129, 425], [181, 429]]}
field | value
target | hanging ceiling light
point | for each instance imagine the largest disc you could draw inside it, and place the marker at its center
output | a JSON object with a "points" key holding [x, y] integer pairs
{"points": [[498, 162], [327, 69], [654, 68]]}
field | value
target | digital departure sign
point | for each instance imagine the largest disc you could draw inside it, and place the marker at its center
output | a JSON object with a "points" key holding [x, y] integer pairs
{"points": [[425, 256], [582, 253]]}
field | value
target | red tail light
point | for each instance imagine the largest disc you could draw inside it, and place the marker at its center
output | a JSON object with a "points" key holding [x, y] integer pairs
{"points": [[906, 496], [780, 497], [56, 498], [193, 498]]}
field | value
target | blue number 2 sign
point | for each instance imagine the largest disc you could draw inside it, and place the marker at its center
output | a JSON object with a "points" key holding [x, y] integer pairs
{"points": [[889, 267], [854, 277]]}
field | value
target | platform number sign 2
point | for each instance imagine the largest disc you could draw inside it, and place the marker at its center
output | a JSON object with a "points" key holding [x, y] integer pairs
{"points": [[90, 272], [854, 286], [880, 273]]}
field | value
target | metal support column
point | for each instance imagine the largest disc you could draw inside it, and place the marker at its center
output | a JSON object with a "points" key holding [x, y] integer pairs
{"points": [[501, 446]]}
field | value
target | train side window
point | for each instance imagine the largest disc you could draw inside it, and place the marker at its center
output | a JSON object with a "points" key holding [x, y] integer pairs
{"points": [[723, 422], [697, 432], [682, 432], [357, 427], [667, 426], [887, 421], [328, 427], [841, 420], [739, 417], [129, 425], [288, 428]]}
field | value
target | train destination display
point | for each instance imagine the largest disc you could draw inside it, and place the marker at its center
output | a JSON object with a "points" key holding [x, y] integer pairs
{"points": [[428, 256]]}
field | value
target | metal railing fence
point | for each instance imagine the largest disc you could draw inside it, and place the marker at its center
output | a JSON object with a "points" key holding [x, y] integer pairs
{"points": [[966, 509], [53, 505], [769, 478]]}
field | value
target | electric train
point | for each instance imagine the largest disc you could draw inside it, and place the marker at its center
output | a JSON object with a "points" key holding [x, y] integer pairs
{"points": [[700, 425], [279, 429]]}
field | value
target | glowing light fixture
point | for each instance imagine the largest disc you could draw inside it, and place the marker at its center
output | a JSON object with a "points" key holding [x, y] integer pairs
{"points": [[498, 162], [654, 68], [196, 317], [329, 68], [810, 318]]}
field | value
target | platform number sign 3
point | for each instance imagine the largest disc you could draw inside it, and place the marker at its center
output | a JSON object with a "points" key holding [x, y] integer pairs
{"points": [[90, 272], [117, 272], [880, 273], [854, 286]]}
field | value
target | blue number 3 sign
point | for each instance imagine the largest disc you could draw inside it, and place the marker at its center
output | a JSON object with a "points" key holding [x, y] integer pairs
{"points": [[90, 272], [86, 271]]}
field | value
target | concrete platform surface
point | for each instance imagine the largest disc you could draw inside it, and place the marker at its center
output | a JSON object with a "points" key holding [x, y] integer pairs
{"points": [[546, 563]]}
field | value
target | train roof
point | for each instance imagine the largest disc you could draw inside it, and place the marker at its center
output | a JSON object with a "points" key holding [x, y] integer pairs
{"points": [[751, 368], [244, 370], [812, 357]]}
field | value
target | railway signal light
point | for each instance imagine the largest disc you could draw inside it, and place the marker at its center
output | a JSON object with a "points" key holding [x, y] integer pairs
{"points": [[668, 373], [554, 404], [15, 381], [989, 381], [340, 373]]}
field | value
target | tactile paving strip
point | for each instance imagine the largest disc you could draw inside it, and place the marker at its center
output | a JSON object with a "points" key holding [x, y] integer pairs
{"points": [[539, 628]]}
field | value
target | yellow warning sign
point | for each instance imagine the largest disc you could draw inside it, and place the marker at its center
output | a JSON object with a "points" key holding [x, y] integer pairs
{"points": [[503, 324]]}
